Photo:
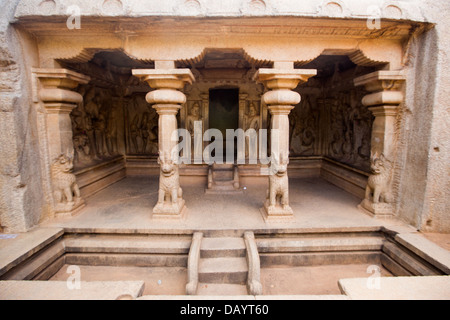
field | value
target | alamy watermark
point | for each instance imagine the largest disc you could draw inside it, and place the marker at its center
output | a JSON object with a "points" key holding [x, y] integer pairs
{"points": [[374, 20], [74, 19], [74, 280], [374, 281]]}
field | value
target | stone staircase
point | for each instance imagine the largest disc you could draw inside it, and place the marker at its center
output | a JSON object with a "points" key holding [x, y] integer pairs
{"points": [[223, 178], [223, 268]]}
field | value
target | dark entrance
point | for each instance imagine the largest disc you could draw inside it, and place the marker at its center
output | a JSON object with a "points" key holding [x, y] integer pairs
{"points": [[224, 112]]}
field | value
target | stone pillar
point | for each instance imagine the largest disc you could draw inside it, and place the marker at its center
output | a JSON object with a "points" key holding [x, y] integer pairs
{"points": [[383, 101], [167, 100], [57, 95], [280, 99]]}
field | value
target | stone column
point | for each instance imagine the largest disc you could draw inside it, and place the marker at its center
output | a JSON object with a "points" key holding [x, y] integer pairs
{"points": [[280, 99], [167, 100], [57, 95], [383, 101]]}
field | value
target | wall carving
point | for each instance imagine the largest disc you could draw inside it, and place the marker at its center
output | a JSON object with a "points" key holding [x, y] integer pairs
{"points": [[350, 129], [95, 124], [141, 126], [304, 127]]}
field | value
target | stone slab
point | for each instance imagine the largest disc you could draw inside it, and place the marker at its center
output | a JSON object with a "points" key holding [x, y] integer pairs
{"points": [[408, 262], [319, 244], [220, 297], [15, 251], [248, 297], [398, 288], [129, 244], [224, 289], [58, 290], [223, 247], [424, 248]]}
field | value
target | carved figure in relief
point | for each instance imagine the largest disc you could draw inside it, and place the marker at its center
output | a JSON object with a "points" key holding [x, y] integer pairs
{"points": [[169, 180], [194, 115], [64, 182], [111, 133], [252, 120], [149, 131], [379, 183], [279, 182], [82, 149], [100, 134], [134, 132]]}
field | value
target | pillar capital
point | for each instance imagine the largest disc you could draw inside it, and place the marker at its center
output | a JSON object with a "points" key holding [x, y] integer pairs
{"points": [[384, 87], [165, 78], [283, 78], [57, 87]]}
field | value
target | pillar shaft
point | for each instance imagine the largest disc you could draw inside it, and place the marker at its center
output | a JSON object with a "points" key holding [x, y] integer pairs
{"points": [[55, 92], [383, 101], [280, 100], [167, 100]]}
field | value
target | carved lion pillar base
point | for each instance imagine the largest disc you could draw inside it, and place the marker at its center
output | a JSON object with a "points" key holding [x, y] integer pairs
{"points": [[170, 210], [280, 100], [69, 209], [58, 98], [379, 210], [383, 101], [167, 101], [276, 213]]}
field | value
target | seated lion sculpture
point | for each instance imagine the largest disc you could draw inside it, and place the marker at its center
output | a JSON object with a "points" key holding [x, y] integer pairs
{"points": [[64, 181]]}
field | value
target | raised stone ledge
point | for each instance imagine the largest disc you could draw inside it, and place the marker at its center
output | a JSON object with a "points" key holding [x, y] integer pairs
{"points": [[398, 10], [398, 288], [58, 290]]}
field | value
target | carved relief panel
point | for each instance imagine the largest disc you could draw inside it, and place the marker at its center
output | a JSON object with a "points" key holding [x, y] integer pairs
{"points": [[95, 125], [349, 129], [141, 126], [304, 127]]}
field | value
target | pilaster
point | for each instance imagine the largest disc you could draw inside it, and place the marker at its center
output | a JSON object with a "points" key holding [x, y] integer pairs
{"points": [[385, 96], [58, 98]]}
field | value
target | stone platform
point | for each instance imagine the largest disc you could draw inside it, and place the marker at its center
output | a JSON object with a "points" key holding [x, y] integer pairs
{"points": [[127, 205], [116, 237]]}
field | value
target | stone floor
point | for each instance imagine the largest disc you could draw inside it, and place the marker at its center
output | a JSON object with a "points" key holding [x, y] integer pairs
{"points": [[128, 205]]}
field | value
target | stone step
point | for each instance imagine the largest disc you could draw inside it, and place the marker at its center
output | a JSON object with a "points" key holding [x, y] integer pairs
{"points": [[222, 247], [223, 270], [126, 244], [326, 244], [223, 175], [221, 289], [223, 167]]}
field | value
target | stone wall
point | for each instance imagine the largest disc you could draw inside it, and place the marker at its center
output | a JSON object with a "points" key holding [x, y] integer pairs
{"points": [[425, 185]]}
